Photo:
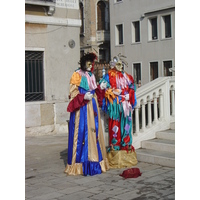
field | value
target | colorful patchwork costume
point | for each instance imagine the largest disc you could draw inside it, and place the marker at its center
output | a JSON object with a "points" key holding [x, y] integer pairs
{"points": [[86, 148], [118, 103]]}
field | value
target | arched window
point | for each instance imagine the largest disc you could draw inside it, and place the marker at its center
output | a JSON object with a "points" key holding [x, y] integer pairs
{"points": [[82, 18], [101, 15]]}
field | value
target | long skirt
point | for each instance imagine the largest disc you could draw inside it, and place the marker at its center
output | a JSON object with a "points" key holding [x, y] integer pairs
{"points": [[86, 147]]}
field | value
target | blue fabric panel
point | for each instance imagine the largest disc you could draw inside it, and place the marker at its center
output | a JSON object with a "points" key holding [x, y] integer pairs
{"points": [[84, 156], [91, 168], [81, 134], [71, 137]]}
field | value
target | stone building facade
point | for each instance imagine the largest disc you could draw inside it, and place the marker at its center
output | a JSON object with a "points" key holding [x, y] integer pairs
{"points": [[95, 29], [52, 52], [144, 32]]}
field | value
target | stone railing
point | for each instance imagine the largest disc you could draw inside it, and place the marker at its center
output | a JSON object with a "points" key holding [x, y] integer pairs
{"points": [[155, 109]]}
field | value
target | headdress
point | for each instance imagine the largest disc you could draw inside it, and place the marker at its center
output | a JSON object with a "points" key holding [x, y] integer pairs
{"points": [[118, 62], [87, 57]]}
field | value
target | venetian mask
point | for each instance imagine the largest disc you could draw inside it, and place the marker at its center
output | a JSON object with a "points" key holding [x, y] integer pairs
{"points": [[88, 65], [117, 63]]}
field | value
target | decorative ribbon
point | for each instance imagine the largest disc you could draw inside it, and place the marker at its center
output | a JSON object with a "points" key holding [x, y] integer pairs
{"points": [[109, 95]]}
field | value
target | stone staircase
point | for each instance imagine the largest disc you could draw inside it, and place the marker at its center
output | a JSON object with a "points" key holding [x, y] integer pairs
{"points": [[160, 150]]}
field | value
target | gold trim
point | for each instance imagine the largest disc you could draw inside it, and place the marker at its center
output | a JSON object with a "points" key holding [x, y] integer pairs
{"points": [[76, 128], [104, 165], [122, 159], [74, 169]]}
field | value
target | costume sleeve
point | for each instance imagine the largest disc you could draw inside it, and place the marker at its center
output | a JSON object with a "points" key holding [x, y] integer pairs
{"points": [[132, 90], [105, 79], [76, 99], [100, 95]]}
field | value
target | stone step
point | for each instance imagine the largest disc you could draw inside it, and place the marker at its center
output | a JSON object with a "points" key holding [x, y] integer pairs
{"points": [[167, 134], [156, 157], [159, 145], [172, 126]]}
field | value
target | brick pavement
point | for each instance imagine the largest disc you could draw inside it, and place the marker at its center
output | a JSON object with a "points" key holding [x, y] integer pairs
{"points": [[45, 160]]}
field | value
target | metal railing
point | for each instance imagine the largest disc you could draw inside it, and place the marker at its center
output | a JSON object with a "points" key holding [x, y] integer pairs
{"points": [[34, 80]]}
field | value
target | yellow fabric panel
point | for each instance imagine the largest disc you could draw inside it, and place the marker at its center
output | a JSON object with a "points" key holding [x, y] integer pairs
{"points": [[122, 159], [100, 133], [92, 145], [77, 120], [73, 91]]}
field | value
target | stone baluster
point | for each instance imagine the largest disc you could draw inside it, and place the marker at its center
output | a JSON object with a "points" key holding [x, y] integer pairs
{"points": [[155, 110], [143, 117], [149, 114], [136, 120], [173, 102], [161, 110]]}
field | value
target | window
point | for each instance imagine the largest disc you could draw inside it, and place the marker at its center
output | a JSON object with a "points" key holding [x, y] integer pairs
{"points": [[166, 26], [118, 0], [34, 80], [137, 72], [136, 31], [82, 19], [153, 70], [167, 65], [102, 55], [101, 15], [119, 34], [153, 33]]}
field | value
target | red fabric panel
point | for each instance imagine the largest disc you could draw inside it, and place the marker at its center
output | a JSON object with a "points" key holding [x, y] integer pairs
{"points": [[100, 95], [76, 103], [131, 96], [111, 124]]}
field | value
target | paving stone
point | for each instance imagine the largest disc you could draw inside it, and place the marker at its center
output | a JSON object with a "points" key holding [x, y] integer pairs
{"points": [[45, 161], [76, 196], [71, 190], [101, 196], [128, 195]]}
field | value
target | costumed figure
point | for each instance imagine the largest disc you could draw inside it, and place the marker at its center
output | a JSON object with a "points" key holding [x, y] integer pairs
{"points": [[86, 148], [119, 102]]}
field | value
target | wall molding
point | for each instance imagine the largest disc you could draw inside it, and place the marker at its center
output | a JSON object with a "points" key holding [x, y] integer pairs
{"points": [[52, 20]]}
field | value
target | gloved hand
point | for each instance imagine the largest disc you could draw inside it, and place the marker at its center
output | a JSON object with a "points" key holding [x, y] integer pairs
{"points": [[117, 91], [127, 97], [103, 85], [88, 96]]}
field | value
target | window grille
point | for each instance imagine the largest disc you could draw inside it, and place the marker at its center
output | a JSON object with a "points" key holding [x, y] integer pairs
{"points": [[34, 80]]}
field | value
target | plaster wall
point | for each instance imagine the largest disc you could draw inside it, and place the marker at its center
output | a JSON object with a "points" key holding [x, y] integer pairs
{"points": [[60, 61]]}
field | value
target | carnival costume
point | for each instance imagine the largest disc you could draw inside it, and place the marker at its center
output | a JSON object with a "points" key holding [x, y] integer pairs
{"points": [[119, 102], [86, 148]]}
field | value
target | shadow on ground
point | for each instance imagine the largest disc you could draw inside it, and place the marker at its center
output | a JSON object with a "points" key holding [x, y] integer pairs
{"points": [[63, 156]]}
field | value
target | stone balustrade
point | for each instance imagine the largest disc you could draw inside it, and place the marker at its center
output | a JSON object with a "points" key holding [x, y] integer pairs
{"points": [[155, 109]]}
